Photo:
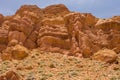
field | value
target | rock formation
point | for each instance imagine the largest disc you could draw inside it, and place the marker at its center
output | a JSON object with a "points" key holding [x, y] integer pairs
{"points": [[56, 29], [105, 55]]}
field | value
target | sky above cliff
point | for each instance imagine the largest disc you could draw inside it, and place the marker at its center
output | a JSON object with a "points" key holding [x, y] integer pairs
{"points": [[99, 8]]}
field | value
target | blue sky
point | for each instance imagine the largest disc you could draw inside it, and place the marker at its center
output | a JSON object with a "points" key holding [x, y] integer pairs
{"points": [[99, 8]]}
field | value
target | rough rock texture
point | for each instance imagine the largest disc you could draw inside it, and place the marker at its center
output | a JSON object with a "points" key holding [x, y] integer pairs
{"points": [[56, 29], [19, 52], [53, 33], [110, 34], [80, 33], [1, 19], [10, 75], [16, 51], [3, 39], [105, 55], [55, 10]]}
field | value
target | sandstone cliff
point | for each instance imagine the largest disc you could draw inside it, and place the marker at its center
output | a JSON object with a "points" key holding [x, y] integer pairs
{"points": [[56, 29]]}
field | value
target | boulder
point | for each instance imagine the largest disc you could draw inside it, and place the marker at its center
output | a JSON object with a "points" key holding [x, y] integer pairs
{"points": [[10, 75], [105, 55], [19, 52]]}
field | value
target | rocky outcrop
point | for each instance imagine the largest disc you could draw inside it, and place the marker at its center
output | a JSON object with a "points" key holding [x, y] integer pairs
{"points": [[56, 29], [55, 11], [53, 33], [80, 33], [110, 33], [3, 39], [22, 26], [19, 52], [16, 51], [105, 55]]}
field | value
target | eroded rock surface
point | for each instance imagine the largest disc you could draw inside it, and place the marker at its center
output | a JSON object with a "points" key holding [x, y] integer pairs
{"points": [[105, 55], [56, 29], [10, 75]]}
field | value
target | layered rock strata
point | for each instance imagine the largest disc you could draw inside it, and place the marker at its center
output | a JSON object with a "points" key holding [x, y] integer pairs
{"points": [[56, 29]]}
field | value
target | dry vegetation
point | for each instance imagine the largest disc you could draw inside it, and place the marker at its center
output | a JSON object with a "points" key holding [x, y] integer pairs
{"points": [[41, 65]]}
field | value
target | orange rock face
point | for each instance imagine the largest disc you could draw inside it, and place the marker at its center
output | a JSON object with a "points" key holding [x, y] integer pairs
{"points": [[56, 29], [1, 19], [3, 39], [105, 55]]}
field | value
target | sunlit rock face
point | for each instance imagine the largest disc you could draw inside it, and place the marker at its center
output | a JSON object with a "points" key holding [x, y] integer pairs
{"points": [[55, 11], [105, 55], [110, 30], [56, 29]]}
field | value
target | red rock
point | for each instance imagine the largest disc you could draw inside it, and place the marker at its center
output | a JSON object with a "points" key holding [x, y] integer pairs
{"points": [[19, 52], [105, 55], [10, 75], [1, 19], [54, 42], [90, 20], [55, 10], [3, 39], [2, 47], [13, 42], [30, 44], [31, 11], [56, 29], [16, 35], [6, 56], [3, 36]]}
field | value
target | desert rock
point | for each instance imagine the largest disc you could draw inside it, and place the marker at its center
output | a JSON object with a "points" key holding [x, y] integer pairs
{"points": [[1, 19], [19, 52], [57, 29], [105, 55], [10, 75]]}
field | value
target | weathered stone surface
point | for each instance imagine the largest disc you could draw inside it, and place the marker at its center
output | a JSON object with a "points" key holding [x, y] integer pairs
{"points": [[54, 42], [110, 34], [3, 39], [23, 30], [16, 35], [80, 42], [55, 10], [10, 75], [3, 36], [32, 11], [14, 51], [105, 55], [55, 28], [6, 56], [19, 52], [1, 19], [90, 20]]}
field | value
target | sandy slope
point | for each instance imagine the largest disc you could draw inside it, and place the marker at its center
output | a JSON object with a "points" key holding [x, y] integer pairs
{"points": [[54, 66]]}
